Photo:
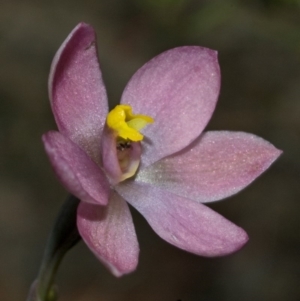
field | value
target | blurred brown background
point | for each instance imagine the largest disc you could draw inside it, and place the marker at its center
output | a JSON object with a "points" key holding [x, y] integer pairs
{"points": [[259, 47]]}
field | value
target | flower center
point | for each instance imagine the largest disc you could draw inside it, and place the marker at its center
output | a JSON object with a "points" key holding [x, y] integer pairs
{"points": [[127, 125], [124, 149], [124, 128]]}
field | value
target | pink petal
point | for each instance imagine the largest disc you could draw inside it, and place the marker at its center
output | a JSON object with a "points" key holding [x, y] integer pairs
{"points": [[110, 159], [109, 233], [186, 224], [76, 170], [77, 92], [179, 89], [217, 165], [109, 156]]}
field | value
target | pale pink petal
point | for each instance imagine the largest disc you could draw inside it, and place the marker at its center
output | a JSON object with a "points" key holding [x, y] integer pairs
{"points": [[77, 92], [76, 170], [217, 165], [110, 159], [109, 156], [179, 89], [184, 223], [109, 232]]}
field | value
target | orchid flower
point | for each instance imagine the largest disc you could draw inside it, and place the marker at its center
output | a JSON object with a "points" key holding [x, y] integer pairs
{"points": [[149, 151]]}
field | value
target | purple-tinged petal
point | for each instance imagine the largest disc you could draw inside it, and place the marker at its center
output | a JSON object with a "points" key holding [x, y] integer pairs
{"points": [[118, 169], [76, 170], [179, 89], [217, 165], [109, 232], [184, 223], [77, 92], [109, 156]]}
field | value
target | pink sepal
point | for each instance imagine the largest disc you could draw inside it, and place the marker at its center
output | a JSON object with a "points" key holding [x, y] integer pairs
{"points": [[217, 165], [109, 233], [179, 89], [77, 92], [76, 170], [186, 224]]}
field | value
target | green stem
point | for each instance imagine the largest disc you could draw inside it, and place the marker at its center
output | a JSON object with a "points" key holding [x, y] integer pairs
{"points": [[63, 237]]}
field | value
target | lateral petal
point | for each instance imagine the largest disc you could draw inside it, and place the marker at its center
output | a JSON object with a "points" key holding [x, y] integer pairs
{"points": [[179, 89], [217, 165], [109, 232], [186, 224], [77, 92], [79, 174]]}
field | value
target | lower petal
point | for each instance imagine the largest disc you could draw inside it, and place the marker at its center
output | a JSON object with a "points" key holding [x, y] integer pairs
{"points": [[76, 170], [109, 232], [184, 223]]}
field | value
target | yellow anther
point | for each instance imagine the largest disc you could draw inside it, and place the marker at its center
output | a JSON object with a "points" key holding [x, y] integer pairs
{"points": [[126, 124]]}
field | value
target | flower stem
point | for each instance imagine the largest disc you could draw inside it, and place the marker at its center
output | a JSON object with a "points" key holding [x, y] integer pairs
{"points": [[63, 237]]}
